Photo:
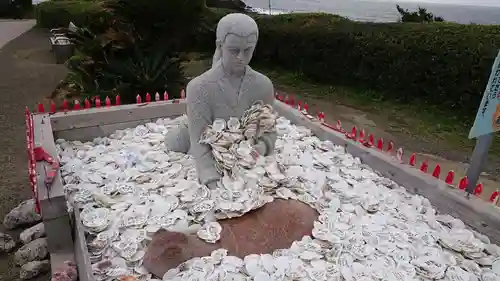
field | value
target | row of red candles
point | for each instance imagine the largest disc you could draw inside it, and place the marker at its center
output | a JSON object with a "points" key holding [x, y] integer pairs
{"points": [[98, 103], [353, 134]]}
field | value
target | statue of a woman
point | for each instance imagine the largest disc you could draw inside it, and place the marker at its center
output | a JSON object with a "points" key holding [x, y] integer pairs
{"points": [[226, 90]]}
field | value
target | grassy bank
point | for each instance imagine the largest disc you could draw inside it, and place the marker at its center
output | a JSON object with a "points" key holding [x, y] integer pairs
{"points": [[429, 123]]}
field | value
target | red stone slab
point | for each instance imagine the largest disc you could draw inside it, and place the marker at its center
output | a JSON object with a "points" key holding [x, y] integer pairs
{"points": [[274, 226]]}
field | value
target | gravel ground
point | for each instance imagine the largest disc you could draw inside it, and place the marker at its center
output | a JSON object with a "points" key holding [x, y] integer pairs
{"points": [[28, 74]]}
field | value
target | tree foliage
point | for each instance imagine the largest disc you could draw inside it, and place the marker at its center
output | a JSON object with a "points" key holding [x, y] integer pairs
{"points": [[421, 15]]}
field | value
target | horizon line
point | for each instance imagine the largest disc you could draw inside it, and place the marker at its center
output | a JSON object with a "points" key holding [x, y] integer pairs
{"points": [[485, 5]]}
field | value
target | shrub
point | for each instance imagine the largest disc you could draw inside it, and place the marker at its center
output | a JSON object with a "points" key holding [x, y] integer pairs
{"points": [[173, 23], [443, 64], [15, 8], [5, 8], [419, 16], [140, 72], [135, 53], [52, 14], [236, 5]]}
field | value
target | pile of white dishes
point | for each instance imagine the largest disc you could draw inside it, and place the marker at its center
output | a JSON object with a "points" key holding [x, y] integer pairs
{"points": [[128, 187]]}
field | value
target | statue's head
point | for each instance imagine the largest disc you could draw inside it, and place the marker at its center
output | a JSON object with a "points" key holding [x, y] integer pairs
{"points": [[237, 36]]}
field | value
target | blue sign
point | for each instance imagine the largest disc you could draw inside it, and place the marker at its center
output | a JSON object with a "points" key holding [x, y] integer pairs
{"points": [[488, 116]]}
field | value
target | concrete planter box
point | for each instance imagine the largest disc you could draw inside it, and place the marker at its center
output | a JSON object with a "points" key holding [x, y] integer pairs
{"points": [[65, 233]]}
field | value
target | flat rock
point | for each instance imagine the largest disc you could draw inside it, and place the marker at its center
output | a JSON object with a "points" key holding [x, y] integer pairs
{"points": [[23, 214], [274, 226], [32, 233], [35, 250], [33, 269]]}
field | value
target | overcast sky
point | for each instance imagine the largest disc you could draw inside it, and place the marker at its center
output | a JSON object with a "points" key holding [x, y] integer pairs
{"points": [[492, 3]]}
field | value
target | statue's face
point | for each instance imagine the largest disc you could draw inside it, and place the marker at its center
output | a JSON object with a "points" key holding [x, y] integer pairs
{"points": [[237, 51]]}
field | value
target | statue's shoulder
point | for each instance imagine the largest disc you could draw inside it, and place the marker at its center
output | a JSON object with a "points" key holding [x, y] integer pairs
{"points": [[202, 79], [261, 79], [201, 84]]}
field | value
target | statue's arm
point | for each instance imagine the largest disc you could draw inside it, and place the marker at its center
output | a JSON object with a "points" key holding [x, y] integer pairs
{"points": [[199, 117], [269, 138]]}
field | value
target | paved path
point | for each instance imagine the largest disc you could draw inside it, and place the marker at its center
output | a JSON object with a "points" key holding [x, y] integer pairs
{"points": [[28, 74], [11, 29]]}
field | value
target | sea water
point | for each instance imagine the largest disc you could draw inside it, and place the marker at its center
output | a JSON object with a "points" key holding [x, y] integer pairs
{"points": [[385, 11], [381, 10]]}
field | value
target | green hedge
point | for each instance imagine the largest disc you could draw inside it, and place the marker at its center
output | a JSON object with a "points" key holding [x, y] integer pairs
{"points": [[52, 14], [15, 8], [442, 64]]}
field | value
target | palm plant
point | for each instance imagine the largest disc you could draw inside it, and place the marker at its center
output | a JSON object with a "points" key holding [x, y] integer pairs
{"points": [[137, 53], [152, 70], [172, 23]]}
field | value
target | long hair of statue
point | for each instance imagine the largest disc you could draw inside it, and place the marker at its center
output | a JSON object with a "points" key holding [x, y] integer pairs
{"points": [[217, 55]]}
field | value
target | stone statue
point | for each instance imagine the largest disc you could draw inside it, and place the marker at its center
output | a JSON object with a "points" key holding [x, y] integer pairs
{"points": [[226, 90]]}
